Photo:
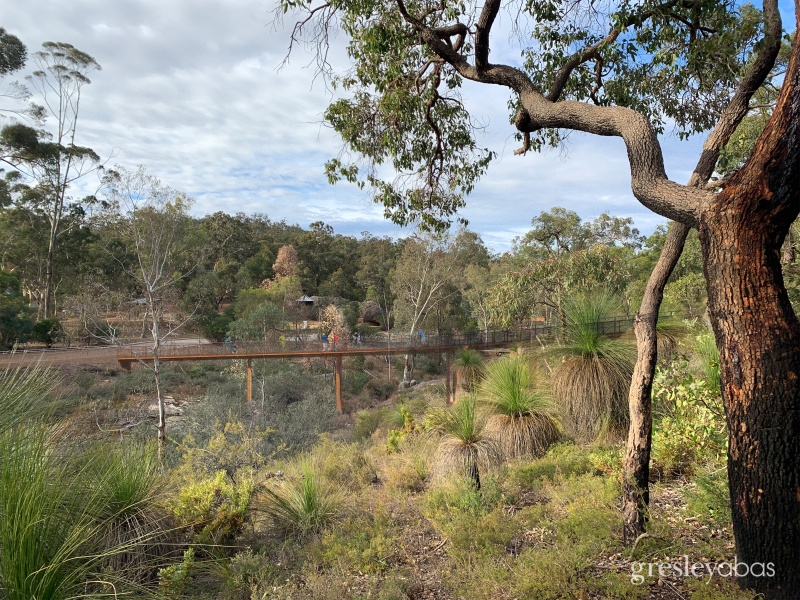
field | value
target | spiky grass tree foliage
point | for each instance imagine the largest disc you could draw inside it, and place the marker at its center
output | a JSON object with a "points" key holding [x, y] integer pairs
{"points": [[708, 357], [468, 366], [522, 419], [304, 503], [129, 481], [464, 447], [591, 383], [54, 512], [668, 339]]}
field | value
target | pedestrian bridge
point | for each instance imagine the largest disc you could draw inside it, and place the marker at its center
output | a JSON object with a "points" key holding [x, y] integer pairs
{"points": [[310, 346]]}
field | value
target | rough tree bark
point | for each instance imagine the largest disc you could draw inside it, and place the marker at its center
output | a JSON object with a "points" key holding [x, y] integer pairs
{"points": [[636, 467], [758, 337]]}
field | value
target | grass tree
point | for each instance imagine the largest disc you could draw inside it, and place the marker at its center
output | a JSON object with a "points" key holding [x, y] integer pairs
{"points": [[592, 381], [304, 503], [58, 510], [522, 420], [468, 366], [464, 446]]}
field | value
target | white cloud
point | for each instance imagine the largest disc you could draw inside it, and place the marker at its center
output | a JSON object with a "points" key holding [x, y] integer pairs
{"points": [[192, 90]]}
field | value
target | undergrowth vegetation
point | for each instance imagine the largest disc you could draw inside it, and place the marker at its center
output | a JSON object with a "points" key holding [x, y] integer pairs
{"points": [[407, 498]]}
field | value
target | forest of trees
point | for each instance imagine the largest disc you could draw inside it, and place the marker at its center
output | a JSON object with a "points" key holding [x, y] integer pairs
{"points": [[221, 267]]}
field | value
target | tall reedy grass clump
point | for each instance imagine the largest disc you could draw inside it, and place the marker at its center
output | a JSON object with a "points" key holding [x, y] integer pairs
{"points": [[304, 503], [592, 381], [53, 513], [464, 447], [708, 357], [522, 421], [468, 367], [129, 481]]}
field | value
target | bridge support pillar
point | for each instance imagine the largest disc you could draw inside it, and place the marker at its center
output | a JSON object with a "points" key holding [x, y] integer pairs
{"points": [[338, 384], [249, 379], [447, 391]]}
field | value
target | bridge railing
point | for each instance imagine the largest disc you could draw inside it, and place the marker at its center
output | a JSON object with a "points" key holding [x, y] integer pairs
{"points": [[311, 342]]}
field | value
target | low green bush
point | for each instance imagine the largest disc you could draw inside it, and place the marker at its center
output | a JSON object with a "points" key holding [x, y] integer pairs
{"points": [[213, 508], [689, 422], [303, 504]]}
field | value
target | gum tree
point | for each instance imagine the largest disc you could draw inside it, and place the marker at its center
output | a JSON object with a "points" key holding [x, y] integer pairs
{"points": [[620, 69], [151, 220], [50, 160]]}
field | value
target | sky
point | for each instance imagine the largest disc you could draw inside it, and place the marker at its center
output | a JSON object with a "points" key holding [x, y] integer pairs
{"points": [[194, 91]]}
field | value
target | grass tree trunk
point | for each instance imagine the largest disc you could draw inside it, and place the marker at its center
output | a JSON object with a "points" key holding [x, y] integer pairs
{"points": [[636, 469], [473, 470]]}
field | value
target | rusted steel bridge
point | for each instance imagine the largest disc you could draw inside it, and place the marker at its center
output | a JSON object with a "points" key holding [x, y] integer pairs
{"points": [[310, 346]]}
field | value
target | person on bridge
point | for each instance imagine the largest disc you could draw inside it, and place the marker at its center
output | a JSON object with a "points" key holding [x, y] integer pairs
{"points": [[335, 341], [421, 336], [324, 341]]}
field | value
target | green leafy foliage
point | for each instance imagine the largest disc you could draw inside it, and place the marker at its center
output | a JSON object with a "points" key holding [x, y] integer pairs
{"points": [[213, 507], [47, 331], [16, 321], [689, 421]]}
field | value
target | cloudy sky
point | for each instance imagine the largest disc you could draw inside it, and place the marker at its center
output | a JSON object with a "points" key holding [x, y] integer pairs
{"points": [[193, 90]]}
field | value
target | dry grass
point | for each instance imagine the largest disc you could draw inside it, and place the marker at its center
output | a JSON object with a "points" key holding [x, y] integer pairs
{"points": [[527, 435], [593, 394]]}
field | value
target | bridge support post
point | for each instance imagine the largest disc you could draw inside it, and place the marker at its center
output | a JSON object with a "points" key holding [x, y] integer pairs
{"points": [[249, 379], [338, 384], [448, 399]]}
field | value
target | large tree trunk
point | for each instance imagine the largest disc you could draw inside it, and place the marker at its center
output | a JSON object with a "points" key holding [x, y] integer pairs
{"points": [[636, 471], [637, 460], [758, 337]]}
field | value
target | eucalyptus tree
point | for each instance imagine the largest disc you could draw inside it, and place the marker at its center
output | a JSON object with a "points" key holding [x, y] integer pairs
{"points": [[50, 159], [620, 69], [422, 281], [13, 55], [152, 221]]}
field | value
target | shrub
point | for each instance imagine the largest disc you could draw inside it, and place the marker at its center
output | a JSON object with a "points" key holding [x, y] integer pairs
{"points": [[709, 498], [367, 421], [213, 507], [47, 331], [215, 327], [364, 543], [689, 421]]}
